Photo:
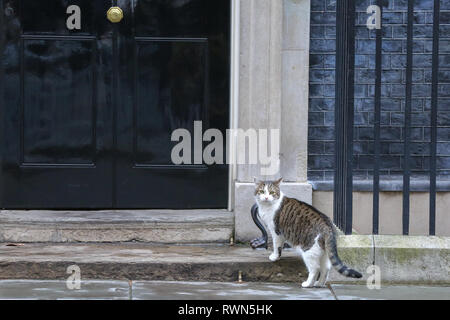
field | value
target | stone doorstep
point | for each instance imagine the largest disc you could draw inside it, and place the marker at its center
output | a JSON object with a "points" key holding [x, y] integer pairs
{"points": [[161, 226], [401, 260], [138, 261]]}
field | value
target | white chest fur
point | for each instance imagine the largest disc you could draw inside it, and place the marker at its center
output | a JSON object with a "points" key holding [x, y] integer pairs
{"points": [[267, 211]]}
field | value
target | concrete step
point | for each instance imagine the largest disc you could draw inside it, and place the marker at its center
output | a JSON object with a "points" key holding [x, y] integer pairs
{"points": [[399, 260], [159, 226], [138, 261]]}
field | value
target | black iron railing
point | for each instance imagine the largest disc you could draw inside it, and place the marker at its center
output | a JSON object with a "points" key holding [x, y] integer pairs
{"points": [[344, 113]]}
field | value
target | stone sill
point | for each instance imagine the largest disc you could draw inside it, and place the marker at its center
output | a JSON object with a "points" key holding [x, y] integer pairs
{"points": [[386, 186], [401, 259]]}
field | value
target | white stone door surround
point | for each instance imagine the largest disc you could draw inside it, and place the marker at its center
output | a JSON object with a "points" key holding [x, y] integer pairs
{"points": [[269, 90]]}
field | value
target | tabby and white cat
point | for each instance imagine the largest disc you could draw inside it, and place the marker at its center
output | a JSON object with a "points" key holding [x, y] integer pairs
{"points": [[304, 228]]}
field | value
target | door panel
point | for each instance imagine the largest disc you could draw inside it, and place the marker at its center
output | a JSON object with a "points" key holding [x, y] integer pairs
{"points": [[58, 124], [56, 127], [170, 94], [174, 70]]}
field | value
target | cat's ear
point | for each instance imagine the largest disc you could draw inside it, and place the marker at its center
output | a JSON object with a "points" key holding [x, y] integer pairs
{"points": [[256, 181], [278, 182]]}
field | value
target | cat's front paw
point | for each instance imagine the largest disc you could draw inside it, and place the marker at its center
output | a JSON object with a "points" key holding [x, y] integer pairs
{"points": [[307, 284], [274, 257]]}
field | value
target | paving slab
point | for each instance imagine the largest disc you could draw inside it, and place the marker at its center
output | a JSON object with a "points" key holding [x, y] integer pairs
{"points": [[158, 290], [361, 292], [58, 290], [185, 290]]}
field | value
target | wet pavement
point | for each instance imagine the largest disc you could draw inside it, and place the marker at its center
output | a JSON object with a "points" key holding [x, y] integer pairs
{"points": [[176, 290]]}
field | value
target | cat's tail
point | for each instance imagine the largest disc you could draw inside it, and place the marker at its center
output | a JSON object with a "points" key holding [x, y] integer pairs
{"points": [[331, 248]]}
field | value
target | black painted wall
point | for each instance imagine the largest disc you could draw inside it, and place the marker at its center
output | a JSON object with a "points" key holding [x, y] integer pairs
{"points": [[322, 91]]}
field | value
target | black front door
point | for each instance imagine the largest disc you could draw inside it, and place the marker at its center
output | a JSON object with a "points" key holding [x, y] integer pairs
{"points": [[88, 106]]}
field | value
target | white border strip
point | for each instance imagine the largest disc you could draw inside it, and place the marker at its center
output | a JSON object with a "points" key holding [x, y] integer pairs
{"points": [[234, 95]]}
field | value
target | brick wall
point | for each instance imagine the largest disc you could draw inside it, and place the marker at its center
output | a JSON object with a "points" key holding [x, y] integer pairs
{"points": [[322, 91]]}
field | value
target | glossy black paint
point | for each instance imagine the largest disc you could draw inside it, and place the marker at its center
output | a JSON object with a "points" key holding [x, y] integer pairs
{"points": [[87, 114]]}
